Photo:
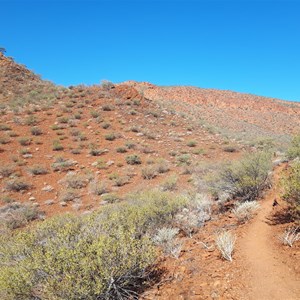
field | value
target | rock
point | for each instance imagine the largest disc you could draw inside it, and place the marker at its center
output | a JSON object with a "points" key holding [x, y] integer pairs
{"points": [[31, 199], [49, 202], [110, 163], [63, 203], [47, 188]]}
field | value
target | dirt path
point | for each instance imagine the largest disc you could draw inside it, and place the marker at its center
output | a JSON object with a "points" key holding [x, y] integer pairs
{"points": [[269, 277]]}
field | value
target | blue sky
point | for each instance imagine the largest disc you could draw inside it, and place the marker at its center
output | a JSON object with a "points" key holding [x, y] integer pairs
{"points": [[246, 46]]}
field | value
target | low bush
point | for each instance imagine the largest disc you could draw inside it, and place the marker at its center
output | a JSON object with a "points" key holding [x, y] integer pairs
{"points": [[57, 146], [291, 185], [165, 238], [294, 150], [7, 170], [63, 164], [36, 131], [225, 243], [247, 178], [290, 236], [98, 188], [110, 137], [105, 255], [170, 183], [25, 141], [17, 185], [75, 181], [14, 215], [38, 170], [149, 172], [133, 159], [244, 211]]}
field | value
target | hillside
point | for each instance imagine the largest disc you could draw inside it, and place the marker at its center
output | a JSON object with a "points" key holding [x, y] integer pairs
{"points": [[241, 116], [127, 161]]}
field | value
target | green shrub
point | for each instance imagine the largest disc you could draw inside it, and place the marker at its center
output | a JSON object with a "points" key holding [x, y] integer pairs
{"points": [[294, 150], [106, 255], [57, 146], [110, 137], [25, 141], [291, 184], [133, 159], [38, 170], [246, 179], [36, 131], [191, 143]]}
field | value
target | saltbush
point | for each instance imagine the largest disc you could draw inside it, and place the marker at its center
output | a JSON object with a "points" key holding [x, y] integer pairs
{"points": [[104, 255]]}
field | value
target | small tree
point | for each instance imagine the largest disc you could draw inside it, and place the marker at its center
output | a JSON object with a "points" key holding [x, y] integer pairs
{"points": [[2, 50]]}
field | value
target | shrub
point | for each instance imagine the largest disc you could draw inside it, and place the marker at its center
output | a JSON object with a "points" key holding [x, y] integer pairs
{"points": [[4, 127], [7, 170], [38, 170], [75, 181], [162, 166], [130, 145], [244, 211], [191, 143], [165, 238], [105, 125], [225, 243], [69, 195], [290, 236], [31, 121], [110, 137], [121, 150], [4, 140], [95, 114], [107, 107], [149, 172], [110, 198], [36, 131], [98, 188], [104, 255], [291, 185], [184, 159], [25, 141], [133, 160], [95, 152], [57, 146], [170, 183], [62, 164], [15, 215], [294, 150], [17, 185], [246, 179]]}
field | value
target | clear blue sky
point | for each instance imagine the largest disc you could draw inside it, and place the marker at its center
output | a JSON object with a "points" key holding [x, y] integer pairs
{"points": [[245, 46]]}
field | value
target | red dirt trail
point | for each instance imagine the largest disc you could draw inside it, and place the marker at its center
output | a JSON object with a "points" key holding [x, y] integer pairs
{"points": [[269, 277]]}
